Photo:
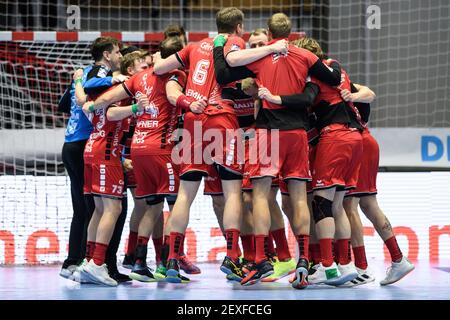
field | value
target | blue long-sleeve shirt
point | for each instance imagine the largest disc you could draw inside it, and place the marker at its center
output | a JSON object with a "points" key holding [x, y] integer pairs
{"points": [[96, 78]]}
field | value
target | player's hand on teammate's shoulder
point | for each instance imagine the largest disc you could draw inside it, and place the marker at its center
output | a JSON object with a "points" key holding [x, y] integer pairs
{"points": [[119, 78], [220, 40], [198, 106], [346, 95], [88, 107], [127, 165], [142, 102], [78, 74], [264, 93], [281, 46]]}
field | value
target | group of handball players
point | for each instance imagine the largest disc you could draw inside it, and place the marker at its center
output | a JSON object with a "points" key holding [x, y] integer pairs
{"points": [[251, 119]]}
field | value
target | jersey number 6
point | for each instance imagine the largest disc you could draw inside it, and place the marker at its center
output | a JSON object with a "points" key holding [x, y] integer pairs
{"points": [[200, 72]]}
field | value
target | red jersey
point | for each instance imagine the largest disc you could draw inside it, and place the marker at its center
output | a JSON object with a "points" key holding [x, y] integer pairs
{"points": [[104, 141], [201, 84], [332, 95], [283, 74], [155, 125]]}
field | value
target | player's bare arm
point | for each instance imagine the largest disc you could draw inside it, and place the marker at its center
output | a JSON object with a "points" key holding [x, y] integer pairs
{"points": [[106, 99], [80, 95], [364, 94], [247, 56], [116, 113], [163, 66]]}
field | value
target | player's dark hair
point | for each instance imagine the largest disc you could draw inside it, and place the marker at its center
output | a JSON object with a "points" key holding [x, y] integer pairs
{"points": [[102, 44], [169, 46], [227, 19], [174, 30]]}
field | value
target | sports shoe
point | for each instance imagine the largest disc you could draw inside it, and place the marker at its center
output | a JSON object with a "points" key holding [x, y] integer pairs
{"points": [[301, 274], [233, 269], [364, 276], [247, 265], [281, 269], [187, 266], [261, 271], [160, 273], [397, 271], [327, 275], [142, 273], [67, 271], [79, 275], [98, 274], [348, 273], [128, 262], [173, 272]]}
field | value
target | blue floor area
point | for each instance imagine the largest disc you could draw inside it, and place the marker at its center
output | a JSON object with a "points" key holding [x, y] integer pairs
{"points": [[43, 282]]}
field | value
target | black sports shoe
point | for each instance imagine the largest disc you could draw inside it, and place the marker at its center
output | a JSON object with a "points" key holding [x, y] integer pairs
{"points": [[233, 269], [173, 272], [128, 262], [116, 275], [262, 270], [142, 273], [248, 266], [301, 274]]}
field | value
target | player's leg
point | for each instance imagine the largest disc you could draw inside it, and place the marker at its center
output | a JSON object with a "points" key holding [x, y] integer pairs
{"points": [[401, 266], [247, 232], [322, 205], [261, 219], [179, 219], [96, 268], [136, 216], [231, 185], [342, 238], [357, 241], [141, 272], [284, 264]]}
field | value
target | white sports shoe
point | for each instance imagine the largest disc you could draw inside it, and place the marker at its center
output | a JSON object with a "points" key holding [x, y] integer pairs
{"points": [[67, 272], [326, 275], [397, 271], [98, 274], [79, 275], [348, 272], [364, 276]]}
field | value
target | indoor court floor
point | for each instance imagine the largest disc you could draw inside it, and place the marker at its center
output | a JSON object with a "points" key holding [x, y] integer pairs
{"points": [[44, 283]]}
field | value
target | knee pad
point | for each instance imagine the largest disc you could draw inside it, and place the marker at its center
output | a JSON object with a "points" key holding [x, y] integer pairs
{"points": [[156, 199], [322, 208], [225, 174], [193, 176], [171, 199]]}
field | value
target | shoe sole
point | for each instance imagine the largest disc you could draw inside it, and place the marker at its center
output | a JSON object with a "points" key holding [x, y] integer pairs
{"points": [[141, 278], [252, 282], [351, 284], [300, 274], [404, 275], [172, 276], [341, 280], [230, 274], [159, 276], [65, 274]]}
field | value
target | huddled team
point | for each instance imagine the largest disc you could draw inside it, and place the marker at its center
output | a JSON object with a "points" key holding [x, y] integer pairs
{"points": [[284, 96]]}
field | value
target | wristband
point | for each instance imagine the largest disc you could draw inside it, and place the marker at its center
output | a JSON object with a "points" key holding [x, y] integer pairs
{"points": [[78, 81], [134, 108], [184, 102], [219, 41], [91, 108]]}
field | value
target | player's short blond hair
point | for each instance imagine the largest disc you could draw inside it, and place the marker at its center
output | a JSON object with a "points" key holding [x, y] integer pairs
{"points": [[248, 85], [129, 59], [227, 19], [309, 44], [279, 25]]}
